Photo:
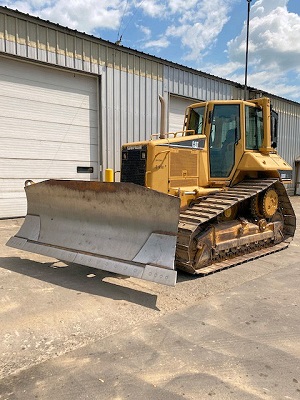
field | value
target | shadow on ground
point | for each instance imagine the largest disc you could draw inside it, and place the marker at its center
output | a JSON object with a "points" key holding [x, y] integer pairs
{"points": [[79, 278]]}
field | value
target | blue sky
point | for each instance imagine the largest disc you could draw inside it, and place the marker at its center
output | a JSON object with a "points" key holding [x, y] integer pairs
{"points": [[208, 35]]}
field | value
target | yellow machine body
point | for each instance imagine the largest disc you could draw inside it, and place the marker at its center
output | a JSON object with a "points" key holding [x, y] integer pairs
{"points": [[206, 198], [181, 164]]}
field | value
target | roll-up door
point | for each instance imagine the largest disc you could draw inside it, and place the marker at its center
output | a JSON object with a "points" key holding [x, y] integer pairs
{"points": [[177, 109], [48, 129]]}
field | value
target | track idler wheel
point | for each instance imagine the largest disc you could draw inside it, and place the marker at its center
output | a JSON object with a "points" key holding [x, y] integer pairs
{"points": [[270, 203], [265, 205]]}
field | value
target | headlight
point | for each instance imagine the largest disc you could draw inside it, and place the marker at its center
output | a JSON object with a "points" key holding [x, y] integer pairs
{"points": [[285, 175]]}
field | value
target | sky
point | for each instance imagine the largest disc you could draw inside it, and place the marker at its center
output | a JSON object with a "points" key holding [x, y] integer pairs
{"points": [[208, 35]]}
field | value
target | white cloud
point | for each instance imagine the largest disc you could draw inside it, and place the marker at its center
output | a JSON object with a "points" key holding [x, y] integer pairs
{"points": [[195, 27], [177, 6], [84, 15], [273, 37], [274, 82], [196, 23], [270, 80], [223, 70], [161, 43], [145, 30], [263, 7], [153, 8], [274, 49], [200, 25]]}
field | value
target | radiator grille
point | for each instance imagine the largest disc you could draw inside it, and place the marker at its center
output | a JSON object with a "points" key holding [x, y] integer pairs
{"points": [[133, 167], [183, 182], [183, 161]]}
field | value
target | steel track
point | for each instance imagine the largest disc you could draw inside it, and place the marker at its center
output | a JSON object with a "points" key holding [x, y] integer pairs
{"points": [[203, 213]]}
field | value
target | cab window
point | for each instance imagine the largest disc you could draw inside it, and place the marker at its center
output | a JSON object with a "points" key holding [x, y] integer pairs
{"points": [[254, 128], [196, 120]]}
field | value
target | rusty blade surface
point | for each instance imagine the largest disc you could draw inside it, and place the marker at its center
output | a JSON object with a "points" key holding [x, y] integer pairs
{"points": [[101, 225]]}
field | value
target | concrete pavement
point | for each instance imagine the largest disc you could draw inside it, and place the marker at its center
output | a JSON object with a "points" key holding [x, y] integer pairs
{"points": [[71, 332]]}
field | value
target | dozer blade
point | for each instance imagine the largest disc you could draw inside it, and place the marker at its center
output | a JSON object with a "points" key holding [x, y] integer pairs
{"points": [[118, 227]]}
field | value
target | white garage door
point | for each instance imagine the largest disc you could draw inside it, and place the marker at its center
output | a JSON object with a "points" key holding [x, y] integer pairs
{"points": [[48, 129], [177, 109]]}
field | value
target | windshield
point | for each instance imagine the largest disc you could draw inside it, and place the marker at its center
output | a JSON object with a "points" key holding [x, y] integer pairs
{"points": [[196, 120]]}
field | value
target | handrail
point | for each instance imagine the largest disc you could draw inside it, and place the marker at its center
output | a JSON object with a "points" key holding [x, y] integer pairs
{"points": [[174, 134]]}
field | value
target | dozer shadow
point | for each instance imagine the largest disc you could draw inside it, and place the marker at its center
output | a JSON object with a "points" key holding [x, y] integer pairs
{"points": [[79, 278]]}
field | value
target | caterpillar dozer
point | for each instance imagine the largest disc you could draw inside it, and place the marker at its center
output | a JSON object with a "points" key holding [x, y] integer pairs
{"points": [[203, 199]]}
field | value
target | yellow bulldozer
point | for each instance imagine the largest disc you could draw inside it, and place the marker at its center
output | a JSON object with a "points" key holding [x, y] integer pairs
{"points": [[203, 199]]}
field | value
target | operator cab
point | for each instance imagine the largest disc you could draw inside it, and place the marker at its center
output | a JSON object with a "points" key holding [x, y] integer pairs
{"points": [[225, 124]]}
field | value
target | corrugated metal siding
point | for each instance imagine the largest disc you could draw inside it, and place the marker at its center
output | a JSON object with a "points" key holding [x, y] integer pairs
{"points": [[289, 132], [41, 41], [130, 110], [130, 82], [185, 83], [289, 129]]}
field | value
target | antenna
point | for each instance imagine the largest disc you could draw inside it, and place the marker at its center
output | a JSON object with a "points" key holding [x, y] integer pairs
{"points": [[118, 42], [247, 50], [119, 37]]}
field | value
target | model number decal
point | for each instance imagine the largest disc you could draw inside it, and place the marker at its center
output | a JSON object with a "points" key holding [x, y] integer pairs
{"points": [[189, 144]]}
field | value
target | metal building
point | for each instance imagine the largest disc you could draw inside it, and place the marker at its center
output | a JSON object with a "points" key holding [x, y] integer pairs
{"points": [[69, 100]]}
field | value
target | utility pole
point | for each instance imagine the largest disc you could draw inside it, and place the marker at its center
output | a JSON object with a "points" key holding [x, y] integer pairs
{"points": [[247, 50]]}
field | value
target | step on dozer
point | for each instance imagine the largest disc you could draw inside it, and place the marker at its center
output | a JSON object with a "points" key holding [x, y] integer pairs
{"points": [[118, 227]]}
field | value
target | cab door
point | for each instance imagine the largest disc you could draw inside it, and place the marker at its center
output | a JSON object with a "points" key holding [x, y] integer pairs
{"points": [[224, 136]]}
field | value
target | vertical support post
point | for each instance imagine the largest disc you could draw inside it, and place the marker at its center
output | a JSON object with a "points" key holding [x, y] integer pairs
{"points": [[297, 164], [247, 50], [109, 175]]}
